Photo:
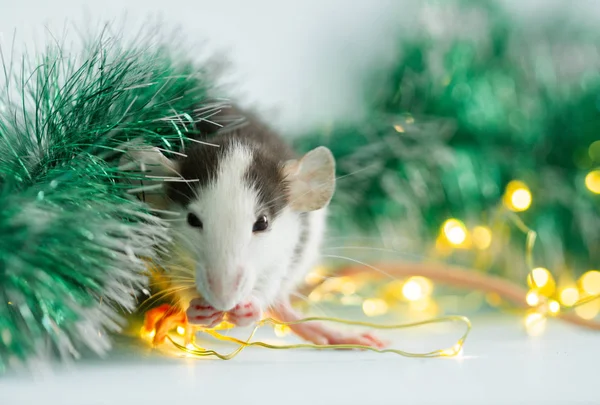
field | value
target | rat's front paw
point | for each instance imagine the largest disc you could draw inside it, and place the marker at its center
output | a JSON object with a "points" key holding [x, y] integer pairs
{"points": [[202, 313], [245, 314]]}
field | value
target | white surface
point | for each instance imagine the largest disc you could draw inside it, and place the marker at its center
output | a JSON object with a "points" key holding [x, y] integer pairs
{"points": [[500, 365]]}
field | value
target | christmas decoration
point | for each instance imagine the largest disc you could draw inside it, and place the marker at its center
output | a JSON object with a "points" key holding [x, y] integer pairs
{"points": [[72, 236], [188, 347]]}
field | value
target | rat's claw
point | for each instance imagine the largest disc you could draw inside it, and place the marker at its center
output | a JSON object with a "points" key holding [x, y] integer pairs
{"points": [[364, 339], [201, 313], [320, 334], [245, 314]]}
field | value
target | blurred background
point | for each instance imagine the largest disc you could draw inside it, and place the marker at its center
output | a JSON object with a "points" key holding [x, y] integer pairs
{"points": [[467, 134]]}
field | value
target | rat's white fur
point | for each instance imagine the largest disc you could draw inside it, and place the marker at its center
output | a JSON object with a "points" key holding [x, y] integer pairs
{"points": [[226, 248]]}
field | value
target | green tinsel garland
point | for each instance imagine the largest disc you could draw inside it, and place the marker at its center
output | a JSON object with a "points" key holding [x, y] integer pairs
{"points": [[71, 239], [475, 99]]}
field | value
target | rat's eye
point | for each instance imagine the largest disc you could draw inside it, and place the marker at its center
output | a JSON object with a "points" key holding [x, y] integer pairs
{"points": [[261, 224], [194, 221]]}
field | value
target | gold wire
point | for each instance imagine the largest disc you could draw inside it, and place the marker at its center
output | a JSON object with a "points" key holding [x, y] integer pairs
{"points": [[453, 351], [529, 243], [531, 238]]}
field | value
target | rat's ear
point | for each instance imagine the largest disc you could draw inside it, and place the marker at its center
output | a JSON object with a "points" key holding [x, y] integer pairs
{"points": [[311, 180], [148, 160], [151, 164]]}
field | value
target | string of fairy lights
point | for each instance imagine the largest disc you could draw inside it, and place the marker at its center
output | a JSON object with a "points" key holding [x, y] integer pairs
{"points": [[546, 295]]}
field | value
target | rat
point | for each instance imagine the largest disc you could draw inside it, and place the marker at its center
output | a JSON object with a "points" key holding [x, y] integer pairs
{"points": [[251, 219]]}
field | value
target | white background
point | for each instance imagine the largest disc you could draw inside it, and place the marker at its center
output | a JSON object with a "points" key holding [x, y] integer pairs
{"points": [[300, 61]]}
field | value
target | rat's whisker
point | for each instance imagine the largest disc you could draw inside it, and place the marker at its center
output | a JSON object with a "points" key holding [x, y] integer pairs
{"points": [[165, 291], [176, 282], [377, 238], [174, 293], [363, 264], [305, 298], [176, 266], [170, 277], [375, 249], [161, 295], [324, 277], [354, 172], [178, 269]]}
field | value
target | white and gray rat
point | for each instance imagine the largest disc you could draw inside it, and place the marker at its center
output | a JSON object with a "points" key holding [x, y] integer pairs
{"points": [[252, 216]]}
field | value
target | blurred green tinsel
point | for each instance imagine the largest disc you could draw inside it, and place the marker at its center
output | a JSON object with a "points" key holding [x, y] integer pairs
{"points": [[476, 98], [71, 238]]}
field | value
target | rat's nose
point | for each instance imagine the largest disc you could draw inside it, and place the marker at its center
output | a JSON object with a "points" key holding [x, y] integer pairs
{"points": [[224, 291]]}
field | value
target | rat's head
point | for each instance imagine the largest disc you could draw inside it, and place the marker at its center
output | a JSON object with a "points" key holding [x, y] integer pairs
{"points": [[240, 215]]}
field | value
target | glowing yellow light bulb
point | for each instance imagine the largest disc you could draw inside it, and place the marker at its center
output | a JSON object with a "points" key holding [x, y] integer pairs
{"points": [[224, 325], [281, 330], [590, 282], [517, 196], [369, 307], [393, 291], [553, 307], [542, 281], [416, 288], [592, 181], [589, 310], [535, 324], [412, 291], [315, 296], [315, 276], [539, 277], [335, 284], [532, 298], [180, 330], [425, 283], [455, 231], [521, 199], [569, 296], [456, 350], [152, 333], [374, 307], [348, 288], [399, 128], [482, 237]]}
